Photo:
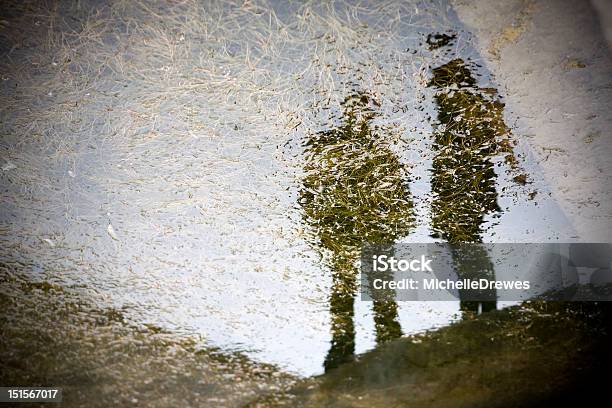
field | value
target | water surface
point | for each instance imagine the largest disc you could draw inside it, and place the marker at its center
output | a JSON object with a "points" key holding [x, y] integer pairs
{"points": [[217, 178]]}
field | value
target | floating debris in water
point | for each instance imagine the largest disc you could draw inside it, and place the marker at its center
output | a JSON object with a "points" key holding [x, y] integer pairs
{"points": [[8, 166], [521, 179], [574, 63], [49, 242], [438, 40], [111, 232]]}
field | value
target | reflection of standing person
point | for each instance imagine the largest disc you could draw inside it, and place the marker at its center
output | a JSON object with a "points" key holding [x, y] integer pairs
{"points": [[354, 193], [463, 179]]}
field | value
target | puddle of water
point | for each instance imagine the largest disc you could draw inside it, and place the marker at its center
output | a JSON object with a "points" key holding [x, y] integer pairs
{"points": [[51, 337], [223, 223]]}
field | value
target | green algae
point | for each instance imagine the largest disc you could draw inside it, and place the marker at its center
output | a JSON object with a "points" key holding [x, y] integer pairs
{"points": [[355, 192]]}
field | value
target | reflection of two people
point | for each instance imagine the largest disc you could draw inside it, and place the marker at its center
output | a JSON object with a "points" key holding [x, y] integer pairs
{"points": [[354, 193]]}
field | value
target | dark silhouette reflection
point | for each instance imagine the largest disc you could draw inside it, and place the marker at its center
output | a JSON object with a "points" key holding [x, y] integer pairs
{"points": [[355, 192], [472, 261], [469, 133]]}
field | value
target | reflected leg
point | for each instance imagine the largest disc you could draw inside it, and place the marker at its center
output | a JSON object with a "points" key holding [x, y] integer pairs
{"points": [[342, 309], [472, 262]]}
